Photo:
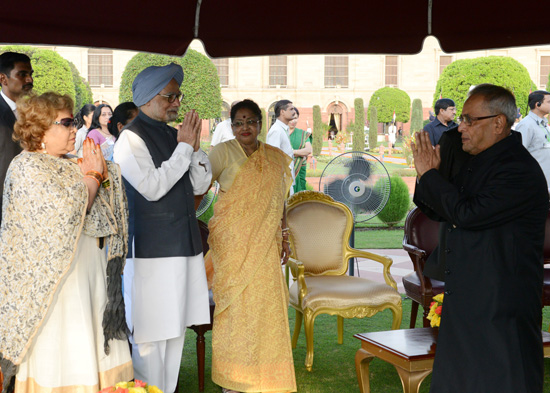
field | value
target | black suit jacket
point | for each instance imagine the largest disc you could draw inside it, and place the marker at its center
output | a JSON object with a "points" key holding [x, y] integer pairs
{"points": [[8, 148]]}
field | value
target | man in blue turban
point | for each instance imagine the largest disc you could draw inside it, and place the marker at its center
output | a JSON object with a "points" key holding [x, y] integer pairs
{"points": [[165, 288]]}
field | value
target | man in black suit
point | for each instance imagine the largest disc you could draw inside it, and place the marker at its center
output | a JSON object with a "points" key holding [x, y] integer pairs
{"points": [[494, 211], [16, 80]]}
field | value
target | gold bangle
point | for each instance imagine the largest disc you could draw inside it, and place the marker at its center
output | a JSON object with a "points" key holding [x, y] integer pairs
{"points": [[92, 177], [285, 229], [96, 175], [287, 241]]}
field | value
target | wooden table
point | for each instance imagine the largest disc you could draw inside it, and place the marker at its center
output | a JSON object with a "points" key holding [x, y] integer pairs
{"points": [[411, 351]]}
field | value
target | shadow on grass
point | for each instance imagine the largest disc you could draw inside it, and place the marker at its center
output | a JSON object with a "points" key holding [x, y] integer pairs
{"points": [[333, 365]]}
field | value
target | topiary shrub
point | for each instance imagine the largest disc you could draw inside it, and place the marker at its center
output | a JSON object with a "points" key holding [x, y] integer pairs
{"points": [[359, 126], [416, 116], [457, 78], [318, 130], [398, 203], [201, 84], [388, 100]]}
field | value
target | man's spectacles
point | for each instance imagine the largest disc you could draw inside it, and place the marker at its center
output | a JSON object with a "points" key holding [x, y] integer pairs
{"points": [[468, 120], [239, 123], [66, 122], [173, 96]]}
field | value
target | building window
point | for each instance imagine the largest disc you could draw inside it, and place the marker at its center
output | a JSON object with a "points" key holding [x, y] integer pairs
{"points": [[444, 61], [391, 70], [277, 71], [100, 68], [336, 71], [544, 70], [222, 65]]}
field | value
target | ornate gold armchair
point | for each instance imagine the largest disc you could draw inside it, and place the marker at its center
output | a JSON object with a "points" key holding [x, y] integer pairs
{"points": [[319, 233]]}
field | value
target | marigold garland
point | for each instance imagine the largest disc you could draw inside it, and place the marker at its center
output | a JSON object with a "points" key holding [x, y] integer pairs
{"points": [[435, 310], [136, 386]]}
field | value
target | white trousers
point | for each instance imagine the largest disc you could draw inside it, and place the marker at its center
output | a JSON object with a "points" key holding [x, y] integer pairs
{"points": [[158, 363]]}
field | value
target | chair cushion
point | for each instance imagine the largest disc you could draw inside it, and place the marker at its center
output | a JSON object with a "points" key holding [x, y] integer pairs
{"points": [[341, 292], [411, 283], [317, 230]]}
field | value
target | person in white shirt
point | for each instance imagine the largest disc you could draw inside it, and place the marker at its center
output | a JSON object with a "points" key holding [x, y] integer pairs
{"points": [[278, 135], [223, 131], [165, 288], [16, 80], [535, 134]]}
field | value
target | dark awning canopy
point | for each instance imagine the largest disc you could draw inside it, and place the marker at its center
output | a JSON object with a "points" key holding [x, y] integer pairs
{"points": [[255, 27]]}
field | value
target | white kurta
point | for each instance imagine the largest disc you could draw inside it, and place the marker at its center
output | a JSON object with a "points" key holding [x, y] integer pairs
{"points": [[278, 137], [163, 295]]}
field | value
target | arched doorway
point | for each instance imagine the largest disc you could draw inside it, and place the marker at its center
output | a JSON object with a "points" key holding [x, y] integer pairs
{"points": [[271, 115], [336, 113]]}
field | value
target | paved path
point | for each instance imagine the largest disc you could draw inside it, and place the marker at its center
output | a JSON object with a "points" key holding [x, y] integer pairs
{"points": [[402, 265]]}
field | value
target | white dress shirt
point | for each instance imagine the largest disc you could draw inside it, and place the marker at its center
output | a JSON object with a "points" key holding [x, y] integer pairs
{"points": [[278, 137], [222, 133]]}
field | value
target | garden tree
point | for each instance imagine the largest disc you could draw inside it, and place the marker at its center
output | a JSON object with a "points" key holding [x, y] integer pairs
{"points": [[83, 92], [201, 84], [373, 127], [457, 78], [318, 131], [389, 99], [263, 131], [359, 129], [51, 71], [416, 116], [398, 202]]}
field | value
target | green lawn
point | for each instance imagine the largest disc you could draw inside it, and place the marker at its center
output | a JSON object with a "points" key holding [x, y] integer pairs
{"points": [[333, 365]]}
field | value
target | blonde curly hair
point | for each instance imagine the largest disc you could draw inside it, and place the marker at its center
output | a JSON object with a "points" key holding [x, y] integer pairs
{"points": [[36, 114]]}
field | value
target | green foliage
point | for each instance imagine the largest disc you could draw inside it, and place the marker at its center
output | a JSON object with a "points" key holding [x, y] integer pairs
{"points": [[82, 89], [51, 71], [398, 203], [318, 131], [373, 127], [456, 79], [359, 132], [389, 99], [416, 116], [201, 84], [263, 131], [425, 123]]}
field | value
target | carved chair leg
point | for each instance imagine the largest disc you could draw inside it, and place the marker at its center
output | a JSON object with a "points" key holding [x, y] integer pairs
{"points": [[362, 360], [297, 328], [397, 312], [200, 359], [340, 329], [414, 313], [309, 319]]}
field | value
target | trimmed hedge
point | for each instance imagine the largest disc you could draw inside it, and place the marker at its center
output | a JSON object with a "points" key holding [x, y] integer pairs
{"points": [[389, 99], [201, 84], [318, 130], [359, 126], [398, 203]]}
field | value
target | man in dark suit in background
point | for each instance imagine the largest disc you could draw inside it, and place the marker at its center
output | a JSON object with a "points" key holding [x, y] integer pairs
{"points": [[16, 80]]}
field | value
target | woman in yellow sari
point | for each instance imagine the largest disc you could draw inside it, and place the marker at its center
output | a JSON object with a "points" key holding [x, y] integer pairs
{"points": [[251, 350]]}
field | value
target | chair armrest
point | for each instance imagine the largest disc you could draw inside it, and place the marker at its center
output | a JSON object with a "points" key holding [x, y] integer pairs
{"points": [[298, 270], [384, 260], [414, 250]]}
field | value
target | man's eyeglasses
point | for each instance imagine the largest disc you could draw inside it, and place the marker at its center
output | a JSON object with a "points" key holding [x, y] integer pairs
{"points": [[66, 122], [468, 120], [173, 96], [239, 123]]}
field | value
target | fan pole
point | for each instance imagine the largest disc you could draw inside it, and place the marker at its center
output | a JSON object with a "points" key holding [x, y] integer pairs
{"points": [[351, 262]]}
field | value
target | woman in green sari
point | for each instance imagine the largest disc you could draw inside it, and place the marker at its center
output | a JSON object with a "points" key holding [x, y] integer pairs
{"points": [[301, 143]]}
